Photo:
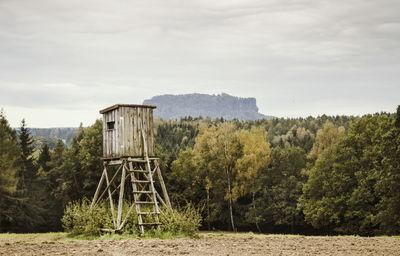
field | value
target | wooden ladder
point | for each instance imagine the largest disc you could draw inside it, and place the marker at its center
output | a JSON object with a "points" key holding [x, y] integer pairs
{"points": [[144, 193]]}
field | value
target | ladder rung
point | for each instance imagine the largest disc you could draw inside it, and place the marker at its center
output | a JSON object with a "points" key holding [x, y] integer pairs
{"points": [[143, 192], [145, 213], [152, 224], [141, 171], [141, 181], [144, 202]]}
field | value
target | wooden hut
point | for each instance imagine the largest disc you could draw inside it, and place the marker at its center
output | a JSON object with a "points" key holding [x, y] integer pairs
{"points": [[122, 131]]}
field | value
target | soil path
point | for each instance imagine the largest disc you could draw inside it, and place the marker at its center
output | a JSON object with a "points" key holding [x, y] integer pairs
{"points": [[209, 244]]}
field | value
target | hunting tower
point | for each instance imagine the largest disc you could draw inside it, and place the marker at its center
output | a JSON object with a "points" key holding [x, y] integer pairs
{"points": [[128, 153]]}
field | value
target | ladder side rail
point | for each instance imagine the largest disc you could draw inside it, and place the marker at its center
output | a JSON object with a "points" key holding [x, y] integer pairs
{"points": [[150, 174], [136, 198]]}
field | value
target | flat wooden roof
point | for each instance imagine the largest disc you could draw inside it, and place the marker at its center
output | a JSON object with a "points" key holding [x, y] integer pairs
{"points": [[125, 105]]}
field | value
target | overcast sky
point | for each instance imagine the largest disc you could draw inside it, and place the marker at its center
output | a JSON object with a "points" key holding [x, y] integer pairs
{"points": [[63, 61]]}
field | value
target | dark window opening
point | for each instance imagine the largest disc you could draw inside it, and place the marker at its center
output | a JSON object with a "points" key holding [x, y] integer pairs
{"points": [[110, 125]]}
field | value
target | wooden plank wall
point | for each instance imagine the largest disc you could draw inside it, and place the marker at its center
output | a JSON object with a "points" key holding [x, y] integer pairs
{"points": [[126, 138], [110, 147]]}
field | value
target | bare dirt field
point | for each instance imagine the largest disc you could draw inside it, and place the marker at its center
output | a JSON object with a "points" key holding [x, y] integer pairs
{"points": [[212, 243]]}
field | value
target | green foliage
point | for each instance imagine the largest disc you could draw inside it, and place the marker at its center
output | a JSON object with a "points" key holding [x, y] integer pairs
{"points": [[79, 219], [387, 187], [77, 169], [90, 157], [51, 135], [9, 166], [336, 173], [44, 159], [300, 132], [186, 182], [181, 221], [221, 168], [217, 149], [29, 208], [351, 188], [39, 142], [279, 188], [74, 172], [397, 118], [28, 171], [172, 137]]}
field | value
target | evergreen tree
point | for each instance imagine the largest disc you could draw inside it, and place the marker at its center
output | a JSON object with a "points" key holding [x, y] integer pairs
{"points": [[30, 210], [9, 166], [44, 159], [68, 175], [79, 171], [47, 201], [28, 171], [49, 180]]}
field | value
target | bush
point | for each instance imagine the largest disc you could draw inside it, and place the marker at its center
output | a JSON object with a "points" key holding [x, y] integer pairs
{"points": [[181, 221], [79, 219]]}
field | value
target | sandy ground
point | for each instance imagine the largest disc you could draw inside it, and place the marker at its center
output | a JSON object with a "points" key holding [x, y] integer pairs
{"points": [[208, 244]]}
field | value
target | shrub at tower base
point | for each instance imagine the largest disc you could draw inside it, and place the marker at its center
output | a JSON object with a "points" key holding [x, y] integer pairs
{"points": [[79, 219]]}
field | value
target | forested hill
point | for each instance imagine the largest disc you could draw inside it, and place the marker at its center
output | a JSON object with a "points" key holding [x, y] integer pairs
{"points": [[50, 136], [214, 106], [64, 133]]}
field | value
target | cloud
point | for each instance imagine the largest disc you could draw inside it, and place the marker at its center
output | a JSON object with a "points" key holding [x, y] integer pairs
{"points": [[74, 54]]}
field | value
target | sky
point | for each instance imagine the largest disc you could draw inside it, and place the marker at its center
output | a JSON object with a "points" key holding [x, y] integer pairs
{"points": [[63, 61]]}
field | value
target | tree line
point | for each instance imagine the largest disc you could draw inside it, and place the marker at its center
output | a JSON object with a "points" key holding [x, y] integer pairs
{"points": [[324, 175], [35, 188]]}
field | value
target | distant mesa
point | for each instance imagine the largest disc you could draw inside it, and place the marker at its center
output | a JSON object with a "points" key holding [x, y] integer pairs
{"points": [[205, 105]]}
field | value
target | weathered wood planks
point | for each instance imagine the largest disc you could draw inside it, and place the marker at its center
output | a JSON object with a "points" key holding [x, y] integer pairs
{"points": [[122, 127]]}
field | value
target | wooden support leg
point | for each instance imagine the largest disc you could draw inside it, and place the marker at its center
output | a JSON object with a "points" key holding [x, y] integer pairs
{"points": [[111, 181], [96, 194], [142, 174], [121, 195], [164, 189], [111, 200]]}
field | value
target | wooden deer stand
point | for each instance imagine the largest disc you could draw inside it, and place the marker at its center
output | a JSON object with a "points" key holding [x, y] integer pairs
{"points": [[129, 154]]}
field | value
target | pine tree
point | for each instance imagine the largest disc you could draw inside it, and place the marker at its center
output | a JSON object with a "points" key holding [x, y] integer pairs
{"points": [[30, 211], [44, 159], [28, 171], [9, 166], [50, 182]]}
